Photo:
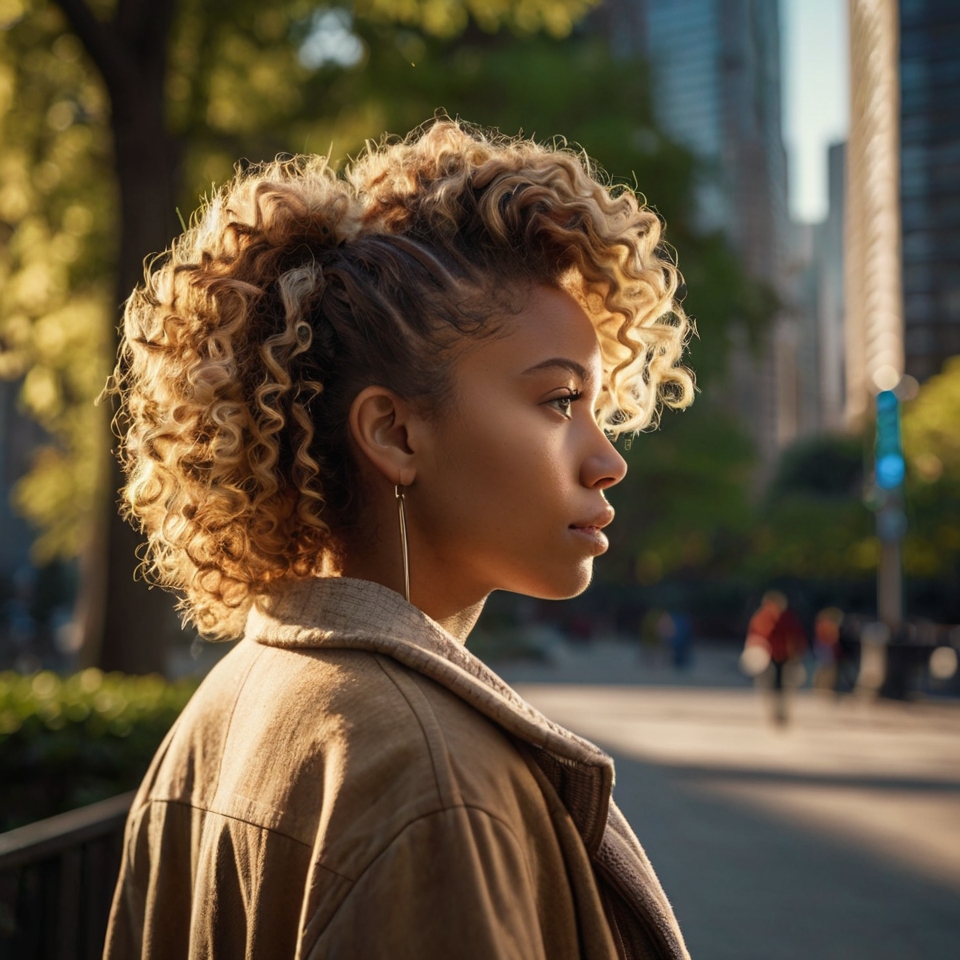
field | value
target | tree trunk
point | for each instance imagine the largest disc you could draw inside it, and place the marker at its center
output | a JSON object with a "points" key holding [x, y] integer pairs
{"points": [[126, 625], [138, 622]]}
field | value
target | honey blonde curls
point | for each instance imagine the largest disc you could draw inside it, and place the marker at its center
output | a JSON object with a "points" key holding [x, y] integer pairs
{"points": [[295, 287]]}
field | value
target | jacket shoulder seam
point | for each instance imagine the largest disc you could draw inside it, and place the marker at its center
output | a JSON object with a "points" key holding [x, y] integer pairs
{"points": [[172, 801], [233, 710], [423, 732], [387, 846]]}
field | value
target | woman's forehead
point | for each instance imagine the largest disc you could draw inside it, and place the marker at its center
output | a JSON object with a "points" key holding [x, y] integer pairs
{"points": [[551, 331]]}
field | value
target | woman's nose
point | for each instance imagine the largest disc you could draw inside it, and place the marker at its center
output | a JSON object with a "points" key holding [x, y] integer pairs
{"points": [[604, 467]]}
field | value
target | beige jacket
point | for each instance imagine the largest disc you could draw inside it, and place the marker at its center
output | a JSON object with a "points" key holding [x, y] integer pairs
{"points": [[351, 782]]}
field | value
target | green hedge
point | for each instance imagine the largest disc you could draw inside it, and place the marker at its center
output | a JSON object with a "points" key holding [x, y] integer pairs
{"points": [[69, 741]]}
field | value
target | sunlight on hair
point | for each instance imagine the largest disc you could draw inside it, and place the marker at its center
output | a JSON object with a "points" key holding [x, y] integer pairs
{"points": [[293, 284]]}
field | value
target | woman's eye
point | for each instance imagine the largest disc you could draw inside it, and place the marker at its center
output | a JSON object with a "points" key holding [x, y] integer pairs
{"points": [[564, 403]]}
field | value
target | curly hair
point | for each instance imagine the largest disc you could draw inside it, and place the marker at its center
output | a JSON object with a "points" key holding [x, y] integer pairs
{"points": [[295, 287]]}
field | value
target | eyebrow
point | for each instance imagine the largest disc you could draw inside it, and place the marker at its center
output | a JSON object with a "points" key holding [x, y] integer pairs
{"points": [[564, 363]]}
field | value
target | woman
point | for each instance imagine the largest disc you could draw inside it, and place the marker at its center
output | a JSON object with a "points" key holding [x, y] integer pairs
{"points": [[355, 406]]}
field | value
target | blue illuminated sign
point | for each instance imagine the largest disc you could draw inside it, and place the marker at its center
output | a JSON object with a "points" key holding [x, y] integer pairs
{"points": [[890, 467]]}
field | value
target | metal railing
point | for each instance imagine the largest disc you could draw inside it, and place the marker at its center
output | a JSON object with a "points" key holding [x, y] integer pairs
{"points": [[57, 878]]}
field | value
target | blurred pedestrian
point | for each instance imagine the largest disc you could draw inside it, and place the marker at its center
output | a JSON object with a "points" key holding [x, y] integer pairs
{"points": [[676, 631], [848, 651], [775, 643], [651, 641], [826, 647]]}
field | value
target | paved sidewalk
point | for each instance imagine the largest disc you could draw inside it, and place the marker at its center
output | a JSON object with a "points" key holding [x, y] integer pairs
{"points": [[613, 660], [837, 838]]}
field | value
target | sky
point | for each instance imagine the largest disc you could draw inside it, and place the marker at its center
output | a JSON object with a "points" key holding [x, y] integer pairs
{"points": [[815, 97]]}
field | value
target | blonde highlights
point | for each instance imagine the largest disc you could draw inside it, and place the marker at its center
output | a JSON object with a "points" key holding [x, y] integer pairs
{"points": [[294, 288]]}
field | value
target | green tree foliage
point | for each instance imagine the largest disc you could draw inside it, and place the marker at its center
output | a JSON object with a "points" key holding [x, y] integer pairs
{"points": [[68, 742], [251, 81], [812, 522], [816, 520], [684, 507], [931, 443], [445, 18], [56, 250]]}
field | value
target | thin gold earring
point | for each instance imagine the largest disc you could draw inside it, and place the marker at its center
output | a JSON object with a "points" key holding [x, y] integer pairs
{"points": [[403, 541]]}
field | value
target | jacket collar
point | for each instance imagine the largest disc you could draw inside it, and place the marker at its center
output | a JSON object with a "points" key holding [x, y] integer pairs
{"points": [[338, 612]]}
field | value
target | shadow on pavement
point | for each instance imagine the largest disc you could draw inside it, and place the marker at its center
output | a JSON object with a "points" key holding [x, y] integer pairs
{"points": [[750, 775], [748, 886]]}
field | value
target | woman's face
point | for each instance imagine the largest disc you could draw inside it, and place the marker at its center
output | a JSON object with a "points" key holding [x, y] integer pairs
{"points": [[510, 478]]}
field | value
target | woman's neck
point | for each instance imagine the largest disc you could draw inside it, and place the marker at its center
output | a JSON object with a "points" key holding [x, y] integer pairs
{"points": [[461, 623], [457, 618], [375, 553]]}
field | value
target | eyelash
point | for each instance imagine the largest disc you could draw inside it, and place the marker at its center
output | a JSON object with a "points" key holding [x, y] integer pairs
{"points": [[567, 398]]}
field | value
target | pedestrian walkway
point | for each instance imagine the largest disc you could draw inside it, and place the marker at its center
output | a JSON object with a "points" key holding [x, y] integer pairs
{"points": [[613, 660], [837, 838]]}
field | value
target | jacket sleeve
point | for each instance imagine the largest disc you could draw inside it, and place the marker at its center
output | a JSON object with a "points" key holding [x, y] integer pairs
{"points": [[454, 883]]}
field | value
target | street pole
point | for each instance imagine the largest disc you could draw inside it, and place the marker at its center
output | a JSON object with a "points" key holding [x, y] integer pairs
{"points": [[873, 296], [890, 520], [889, 474]]}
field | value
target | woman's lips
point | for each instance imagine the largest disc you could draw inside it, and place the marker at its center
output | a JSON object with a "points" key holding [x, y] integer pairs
{"points": [[593, 535], [592, 529]]}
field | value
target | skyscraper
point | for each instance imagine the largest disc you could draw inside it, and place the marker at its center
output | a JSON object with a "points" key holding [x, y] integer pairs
{"points": [[831, 389], [817, 312], [930, 181], [716, 73], [872, 265]]}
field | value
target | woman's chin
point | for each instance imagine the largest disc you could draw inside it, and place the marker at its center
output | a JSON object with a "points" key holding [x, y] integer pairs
{"points": [[583, 580], [561, 584]]}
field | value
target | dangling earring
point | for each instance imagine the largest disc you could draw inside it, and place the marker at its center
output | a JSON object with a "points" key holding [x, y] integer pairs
{"points": [[403, 541]]}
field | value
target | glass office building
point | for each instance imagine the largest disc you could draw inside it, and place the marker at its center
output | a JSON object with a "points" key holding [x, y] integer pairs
{"points": [[716, 73], [717, 81], [930, 181]]}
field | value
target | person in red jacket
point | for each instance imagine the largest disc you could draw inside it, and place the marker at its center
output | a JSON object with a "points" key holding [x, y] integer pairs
{"points": [[777, 630]]}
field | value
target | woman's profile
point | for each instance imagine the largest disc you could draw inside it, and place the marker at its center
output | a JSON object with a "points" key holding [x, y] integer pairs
{"points": [[355, 405]]}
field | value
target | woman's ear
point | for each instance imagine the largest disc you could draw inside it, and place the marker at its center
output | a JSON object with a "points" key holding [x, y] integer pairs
{"points": [[380, 424]]}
